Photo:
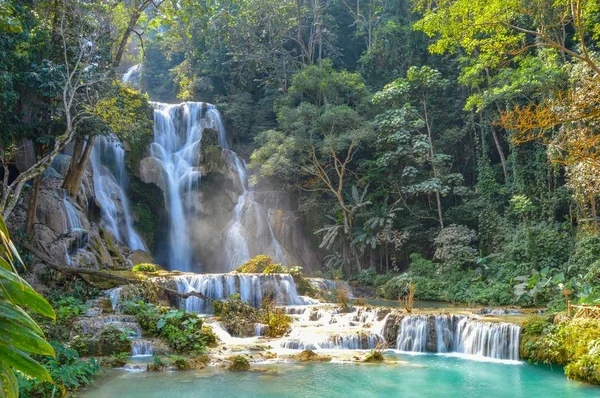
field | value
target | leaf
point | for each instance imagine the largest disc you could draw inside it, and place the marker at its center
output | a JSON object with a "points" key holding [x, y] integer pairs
{"points": [[10, 388], [22, 294], [161, 323], [22, 338], [22, 362], [9, 312]]}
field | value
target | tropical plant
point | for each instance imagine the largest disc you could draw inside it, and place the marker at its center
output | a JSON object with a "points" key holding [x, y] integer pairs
{"points": [[20, 335]]}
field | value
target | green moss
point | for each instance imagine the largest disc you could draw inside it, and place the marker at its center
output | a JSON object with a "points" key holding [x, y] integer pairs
{"points": [[238, 363], [374, 356], [144, 267], [255, 265]]}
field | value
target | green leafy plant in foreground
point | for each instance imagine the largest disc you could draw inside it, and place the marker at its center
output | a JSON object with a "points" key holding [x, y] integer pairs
{"points": [[20, 335]]}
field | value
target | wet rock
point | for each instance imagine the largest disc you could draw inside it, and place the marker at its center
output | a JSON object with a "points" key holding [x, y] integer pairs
{"points": [[390, 328], [310, 356]]}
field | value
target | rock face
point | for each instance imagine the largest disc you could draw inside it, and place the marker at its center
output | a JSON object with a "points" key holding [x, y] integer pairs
{"points": [[68, 229], [391, 326]]}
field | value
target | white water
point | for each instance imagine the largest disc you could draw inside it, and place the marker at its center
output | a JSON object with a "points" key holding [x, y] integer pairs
{"points": [[141, 348], [110, 185], [132, 76], [459, 334], [251, 288], [176, 147]]}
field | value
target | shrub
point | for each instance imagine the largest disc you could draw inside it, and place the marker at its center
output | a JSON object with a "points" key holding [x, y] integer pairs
{"points": [[182, 330], [144, 267], [237, 316], [255, 265], [113, 341], [115, 360], [67, 370], [276, 269], [275, 318], [238, 363], [395, 287]]}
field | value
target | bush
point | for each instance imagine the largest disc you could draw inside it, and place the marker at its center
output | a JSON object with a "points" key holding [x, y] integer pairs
{"points": [[395, 287], [237, 316], [276, 269], [67, 370], [574, 343], [182, 330], [238, 363], [144, 267], [255, 265], [113, 341]]}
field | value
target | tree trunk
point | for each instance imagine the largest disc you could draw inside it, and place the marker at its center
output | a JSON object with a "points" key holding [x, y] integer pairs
{"points": [[500, 152], [435, 172], [78, 165], [121, 49], [33, 204]]}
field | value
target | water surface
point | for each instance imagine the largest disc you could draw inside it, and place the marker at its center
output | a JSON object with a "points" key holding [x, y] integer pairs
{"points": [[416, 376]]}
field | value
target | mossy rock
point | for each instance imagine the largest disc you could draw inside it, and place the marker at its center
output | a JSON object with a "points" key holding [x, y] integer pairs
{"points": [[374, 356], [114, 361], [256, 265], [311, 356], [144, 267], [238, 363]]}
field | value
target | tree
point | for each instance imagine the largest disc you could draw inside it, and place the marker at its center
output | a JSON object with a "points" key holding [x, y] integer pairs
{"points": [[79, 50], [20, 335], [133, 11]]}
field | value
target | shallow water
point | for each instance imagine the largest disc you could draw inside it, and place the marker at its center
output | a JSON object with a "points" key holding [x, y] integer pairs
{"points": [[417, 304], [415, 376]]}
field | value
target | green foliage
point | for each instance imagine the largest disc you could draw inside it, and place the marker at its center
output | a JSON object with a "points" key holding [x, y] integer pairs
{"points": [[573, 343], [68, 371], [112, 341], [115, 360], [238, 363], [182, 330], [144, 267], [19, 333], [237, 316], [255, 265]]}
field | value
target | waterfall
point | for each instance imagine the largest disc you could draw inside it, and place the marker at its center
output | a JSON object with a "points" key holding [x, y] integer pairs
{"points": [[355, 341], [176, 148], [459, 334], [413, 334], [237, 250], [110, 184], [141, 348], [132, 76], [251, 288]]}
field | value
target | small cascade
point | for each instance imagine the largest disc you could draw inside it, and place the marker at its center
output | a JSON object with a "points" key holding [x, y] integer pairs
{"points": [[132, 76], [141, 347], [73, 226], [357, 341], [492, 340], [110, 184], [413, 334], [115, 298], [260, 329], [251, 288], [459, 334], [297, 345]]}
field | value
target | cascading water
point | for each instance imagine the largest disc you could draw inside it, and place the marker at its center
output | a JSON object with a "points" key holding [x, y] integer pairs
{"points": [[177, 152], [459, 334], [132, 76], [141, 347], [251, 288], [73, 225], [110, 183]]}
